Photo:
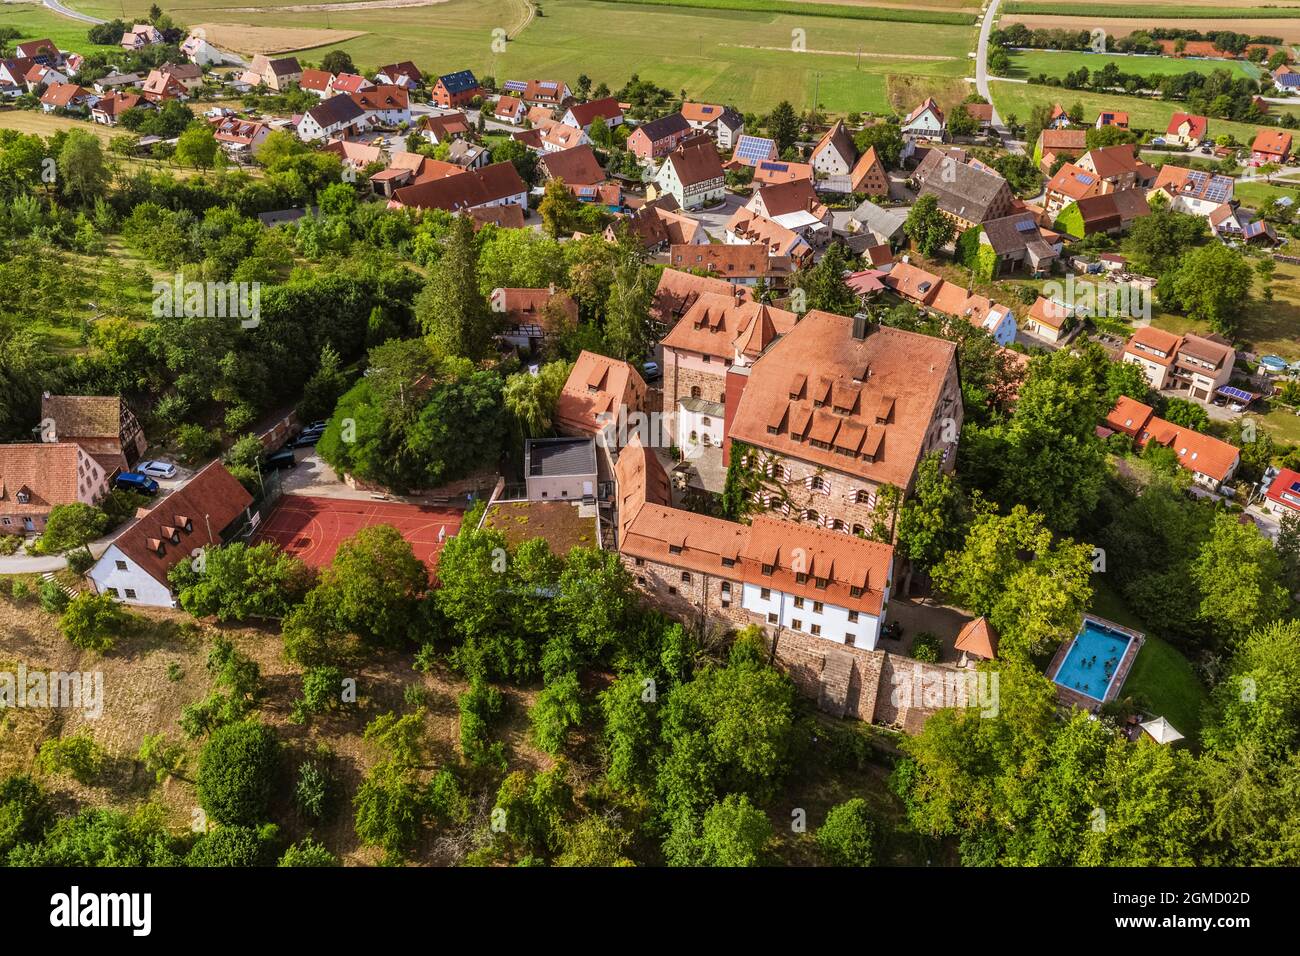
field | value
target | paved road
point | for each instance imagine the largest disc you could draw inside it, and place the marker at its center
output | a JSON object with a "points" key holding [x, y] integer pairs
{"points": [[63, 11], [982, 60]]}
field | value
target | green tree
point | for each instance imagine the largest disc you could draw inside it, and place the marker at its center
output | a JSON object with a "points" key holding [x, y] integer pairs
{"points": [[783, 126], [557, 710], [823, 284], [83, 173], [933, 519], [241, 581], [1239, 575], [376, 584], [93, 622], [1187, 414], [733, 833], [72, 526], [196, 147], [25, 812], [307, 852], [886, 139], [531, 399], [237, 768], [928, 228], [1212, 284], [450, 309], [559, 209], [847, 837]]}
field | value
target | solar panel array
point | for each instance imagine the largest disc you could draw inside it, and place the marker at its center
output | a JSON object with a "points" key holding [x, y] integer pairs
{"points": [[1219, 189], [516, 86], [1026, 225], [754, 148], [1084, 178], [775, 167]]}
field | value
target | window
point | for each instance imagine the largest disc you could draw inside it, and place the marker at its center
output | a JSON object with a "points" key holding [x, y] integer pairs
{"points": [[811, 515], [815, 630], [798, 602], [639, 562], [817, 607], [706, 421], [855, 592], [686, 577], [819, 584], [766, 594], [728, 562], [672, 591], [726, 587], [801, 578], [130, 593], [797, 625], [113, 591], [640, 579], [860, 531], [695, 391], [120, 565], [767, 569], [771, 618], [674, 549], [862, 496], [850, 639], [853, 617], [7, 521], [816, 483]]}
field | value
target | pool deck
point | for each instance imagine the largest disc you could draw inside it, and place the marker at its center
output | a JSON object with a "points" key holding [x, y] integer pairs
{"points": [[1075, 699]]}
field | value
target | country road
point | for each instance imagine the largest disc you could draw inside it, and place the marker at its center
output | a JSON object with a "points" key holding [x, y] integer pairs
{"points": [[63, 11]]}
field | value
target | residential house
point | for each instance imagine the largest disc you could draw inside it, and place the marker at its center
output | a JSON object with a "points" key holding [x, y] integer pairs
{"points": [[1060, 119], [677, 291], [752, 150], [930, 291], [659, 137], [839, 407], [692, 175], [924, 122], [834, 154], [576, 167], [551, 93], [1286, 79], [338, 116], [967, 194], [36, 477], [1186, 129], [41, 75], [444, 127], [1111, 213], [883, 226], [748, 228], [717, 332], [532, 317], [509, 109], [188, 75], [113, 82], [1194, 191], [67, 96], [497, 184], [1211, 461], [410, 169], [1271, 145], [1054, 144], [794, 206], [384, 105], [104, 426], [1118, 166], [239, 137], [277, 74], [582, 115], [659, 225], [724, 124], [1197, 364], [599, 393], [140, 36], [767, 172], [318, 82], [13, 74], [561, 136], [345, 84], [738, 264], [1283, 494], [159, 87], [356, 156], [207, 512], [560, 468], [202, 53], [1071, 184], [1049, 320], [404, 74], [42, 51], [456, 89], [108, 109], [868, 176], [469, 155], [1112, 118], [1020, 245], [982, 114]]}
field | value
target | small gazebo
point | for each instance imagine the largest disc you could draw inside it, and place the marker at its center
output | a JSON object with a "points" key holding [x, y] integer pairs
{"points": [[1161, 731], [977, 639]]}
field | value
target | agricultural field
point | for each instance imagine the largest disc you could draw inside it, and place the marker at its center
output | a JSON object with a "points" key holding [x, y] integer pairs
{"points": [[1029, 63], [33, 20], [1019, 99], [1246, 10], [1122, 22], [735, 51]]}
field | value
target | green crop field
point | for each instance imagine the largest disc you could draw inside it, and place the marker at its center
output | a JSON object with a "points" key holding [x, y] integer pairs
{"points": [[1019, 99], [1025, 64], [737, 51]]}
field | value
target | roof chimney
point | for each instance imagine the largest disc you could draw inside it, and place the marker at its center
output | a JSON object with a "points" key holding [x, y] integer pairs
{"points": [[861, 326]]}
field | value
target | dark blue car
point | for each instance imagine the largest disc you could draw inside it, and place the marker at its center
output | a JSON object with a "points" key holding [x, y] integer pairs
{"points": [[134, 481]]}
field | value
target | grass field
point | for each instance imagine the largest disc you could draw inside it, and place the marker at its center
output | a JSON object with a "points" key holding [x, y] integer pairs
{"points": [[734, 51], [1164, 11], [1033, 62], [1020, 98], [34, 21], [1121, 24]]}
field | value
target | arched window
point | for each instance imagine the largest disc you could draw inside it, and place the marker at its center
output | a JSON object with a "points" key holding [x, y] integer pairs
{"points": [[694, 437], [705, 422], [860, 531], [708, 442], [695, 391]]}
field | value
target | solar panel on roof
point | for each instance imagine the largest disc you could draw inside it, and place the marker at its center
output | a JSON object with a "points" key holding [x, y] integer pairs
{"points": [[1083, 178], [777, 167], [1295, 486], [516, 86], [1025, 225]]}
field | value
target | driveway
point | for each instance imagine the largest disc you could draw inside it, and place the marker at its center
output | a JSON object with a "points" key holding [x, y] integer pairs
{"points": [[715, 220]]}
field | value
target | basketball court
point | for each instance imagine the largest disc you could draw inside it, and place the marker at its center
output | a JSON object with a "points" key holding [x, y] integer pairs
{"points": [[313, 528]]}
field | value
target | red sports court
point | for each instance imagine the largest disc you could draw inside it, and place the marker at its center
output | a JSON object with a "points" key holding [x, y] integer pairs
{"points": [[313, 528]]}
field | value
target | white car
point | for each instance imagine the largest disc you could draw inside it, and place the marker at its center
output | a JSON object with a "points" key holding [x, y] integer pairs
{"points": [[157, 469]]}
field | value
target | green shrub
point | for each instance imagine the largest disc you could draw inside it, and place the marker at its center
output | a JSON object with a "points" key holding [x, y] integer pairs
{"points": [[54, 600], [93, 622], [926, 646], [848, 835], [71, 526], [79, 756], [236, 771], [80, 561], [196, 442], [10, 543], [479, 706]]}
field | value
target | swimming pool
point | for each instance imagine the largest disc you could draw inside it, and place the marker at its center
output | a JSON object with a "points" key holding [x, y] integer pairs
{"points": [[1093, 660]]}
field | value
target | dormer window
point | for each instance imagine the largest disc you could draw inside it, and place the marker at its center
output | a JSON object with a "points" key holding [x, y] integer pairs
{"points": [[767, 569], [801, 578], [24, 497], [855, 592], [819, 583], [674, 549]]}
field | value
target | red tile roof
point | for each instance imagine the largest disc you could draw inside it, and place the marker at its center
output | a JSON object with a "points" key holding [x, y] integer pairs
{"points": [[45, 471], [596, 387], [1274, 141], [720, 325]]}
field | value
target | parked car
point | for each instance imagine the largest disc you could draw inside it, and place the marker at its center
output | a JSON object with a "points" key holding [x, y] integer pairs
{"points": [[650, 370], [307, 439], [157, 469], [134, 481], [280, 459]]}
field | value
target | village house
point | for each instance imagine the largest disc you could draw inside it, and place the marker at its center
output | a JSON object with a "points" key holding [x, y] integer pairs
{"points": [[1054, 144], [509, 109], [1117, 166], [1197, 364], [67, 96], [752, 150], [1283, 494], [659, 225], [561, 136], [599, 393], [839, 407], [40, 75], [1060, 118], [239, 137], [932, 292], [718, 331], [1112, 118], [868, 176], [338, 116], [1048, 319], [834, 154], [1111, 213], [576, 167], [36, 477], [202, 53], [13, 75], [738, 264], [967, 194], [1211, 461], [1271, 145], [582, 115], [277, 74], [924, 122], [187, 74], [407, 169], [882, 226], [551, 93], [113, 82], [384, 105], [42, 51], [794, 206], [722, 123], [1286, 79], [355, 156], [692, 175], [455, 89], [1194, 191], [443, 127], [140, 36], [659, 137], [108, 109], [318, 82], [102, 425], [497, 184], [532, 317], [207, 512], [404, 74], [345, 84], [469, 155], [1071, 184], [1188, 130], [161, 86], [748, 228], [678, 291], [1020, 245]]}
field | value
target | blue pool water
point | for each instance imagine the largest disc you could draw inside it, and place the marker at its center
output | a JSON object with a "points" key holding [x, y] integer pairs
{"points": [[1093, 658]]}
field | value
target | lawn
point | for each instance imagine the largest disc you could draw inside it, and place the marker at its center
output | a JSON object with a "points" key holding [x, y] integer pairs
{"points": [[34, 21], [1020, 98], [1257, 194], [739, 56], [1029, 63], [1161, 676]]}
